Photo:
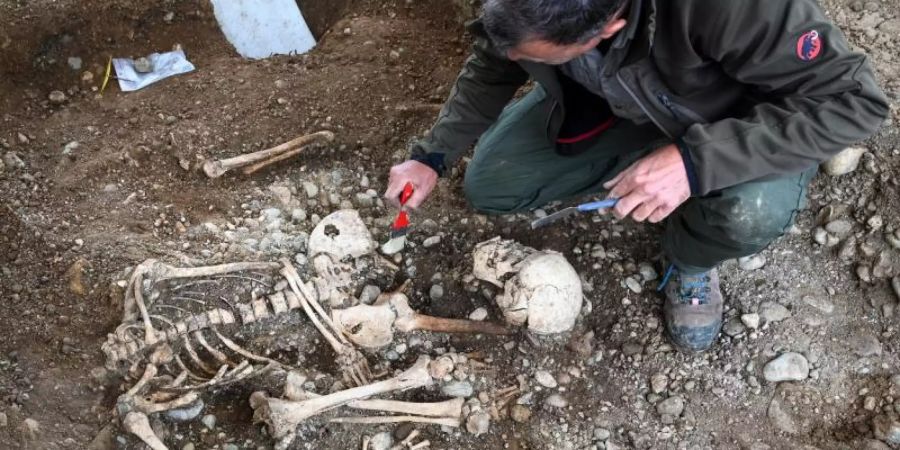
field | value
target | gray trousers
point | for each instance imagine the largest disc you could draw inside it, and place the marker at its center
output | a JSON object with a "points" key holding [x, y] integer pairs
{"points": [[517, 168]]}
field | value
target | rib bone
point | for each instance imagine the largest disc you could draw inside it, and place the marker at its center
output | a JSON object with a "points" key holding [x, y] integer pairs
{"points": [[217, 168], [372, 326], [283, 416]]}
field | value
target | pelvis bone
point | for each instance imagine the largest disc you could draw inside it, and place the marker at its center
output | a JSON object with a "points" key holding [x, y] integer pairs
{"points": [[540, 288], [373, 326]]}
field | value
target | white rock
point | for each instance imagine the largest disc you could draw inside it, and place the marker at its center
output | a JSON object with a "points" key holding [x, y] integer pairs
{"points": [[844, 162], [381, 441], [478, 423], [771, 312], [754, 262], [545, 379], [431, 242], [750, 320], [479, 314], [787, 367]]}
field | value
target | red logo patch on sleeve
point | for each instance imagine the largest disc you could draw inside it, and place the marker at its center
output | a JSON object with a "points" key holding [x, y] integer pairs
{"points": [[809, 46]]}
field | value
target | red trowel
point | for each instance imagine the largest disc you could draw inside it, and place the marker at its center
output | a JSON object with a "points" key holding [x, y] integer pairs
{"points": [[400, 225]]}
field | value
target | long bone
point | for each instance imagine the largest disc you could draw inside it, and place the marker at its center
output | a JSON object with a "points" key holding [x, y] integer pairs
{"points": [[454, 422], [262, 158], [372, 326], [137, 424], [283, 416], [353, 363]]}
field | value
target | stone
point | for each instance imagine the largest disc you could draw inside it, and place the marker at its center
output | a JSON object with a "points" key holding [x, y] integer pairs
{"points": [[733, 327], [556, 401], [886, 428], [57, 97], [478, 423], [298, 215], [875, 222], [312, 191], [458, 389], [12, 160], [844, 162], [779, 418], [672, 406], [601, 434], [749, 263], [381, 441], [520, 413], [771, 312], [479, 314], [839, 227], [648, 273], [788, 367], [364, 200], [369, 294], [74, 62], [866, 345], [4, 421], [545, 379], [436, 292], [143, 65], [750, 320], [822, 304], [431, 241], [634, 285], [185, 414], [209, 421], [30, 429], [658, 383]]}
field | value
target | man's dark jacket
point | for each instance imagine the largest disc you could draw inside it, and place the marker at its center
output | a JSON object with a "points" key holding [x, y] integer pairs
{"points": [[747, 88]]}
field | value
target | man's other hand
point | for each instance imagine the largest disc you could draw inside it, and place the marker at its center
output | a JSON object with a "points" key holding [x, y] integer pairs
{"points": [[422, 177], [652, 187]]}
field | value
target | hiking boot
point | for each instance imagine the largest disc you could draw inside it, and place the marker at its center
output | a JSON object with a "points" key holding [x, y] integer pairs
{"points": [[693, 309]]}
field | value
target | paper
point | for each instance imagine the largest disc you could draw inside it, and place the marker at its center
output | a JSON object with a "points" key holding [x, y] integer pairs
{"points": [[164, 65], [262, 28]]}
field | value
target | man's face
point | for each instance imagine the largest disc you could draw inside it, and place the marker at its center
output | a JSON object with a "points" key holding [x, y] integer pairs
{"points": [[546, 52]]}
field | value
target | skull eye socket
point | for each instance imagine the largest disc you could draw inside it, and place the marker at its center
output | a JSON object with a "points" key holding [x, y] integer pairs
{"points": [[331, 231]]}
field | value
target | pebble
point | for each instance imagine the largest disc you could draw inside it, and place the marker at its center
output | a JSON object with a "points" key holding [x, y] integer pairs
{"points": [[312, 191], [298, 215], [381, 441], [875, 222], [520, 413], [658, 383], [209, 421], [771, 312], [479, 314], [866, 345], [648, 273], [369, 294], [672, 406], [30, 429], [143, 65], [431, 241], [364, 200], [754, 262], [230, 446], [787, 367], [74, 62], [844, 162], [280, 84], [634, 285], [57, 97], [458, 389], [185, 414], [839, 227], [750, 320], [478, 423], [556, 401], [886, 428], [601, 434], [4, 421], [822, 304], [545, 379], [436, 292], [188, 446]]}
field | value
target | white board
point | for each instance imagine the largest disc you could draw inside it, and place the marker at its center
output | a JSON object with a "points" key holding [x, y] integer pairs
{"points": [[262, 28]]}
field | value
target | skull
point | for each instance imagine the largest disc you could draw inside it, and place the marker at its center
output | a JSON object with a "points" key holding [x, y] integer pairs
{"points": [[334, 247], [540, 288]]}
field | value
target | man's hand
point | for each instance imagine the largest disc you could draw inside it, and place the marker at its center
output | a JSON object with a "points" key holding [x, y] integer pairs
{"points": [[422, 177], [652, 187]]}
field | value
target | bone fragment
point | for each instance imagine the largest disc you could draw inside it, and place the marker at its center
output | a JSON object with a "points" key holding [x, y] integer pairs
{"points": [[443, 421], [449, 408], [409, 438], [424, 444], [138, 425], [217, 168], [283, 416]]}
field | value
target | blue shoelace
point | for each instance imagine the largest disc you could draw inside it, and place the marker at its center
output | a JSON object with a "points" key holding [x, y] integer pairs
{"points": [[691, 286]]}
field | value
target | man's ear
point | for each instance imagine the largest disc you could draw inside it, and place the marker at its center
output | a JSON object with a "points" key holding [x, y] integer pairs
{"points": [[612, 28]]}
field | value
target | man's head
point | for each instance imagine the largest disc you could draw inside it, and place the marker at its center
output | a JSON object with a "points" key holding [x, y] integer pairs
{"points": [[551, 31]]}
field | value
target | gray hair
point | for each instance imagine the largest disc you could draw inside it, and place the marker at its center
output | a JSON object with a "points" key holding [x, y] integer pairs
{"points": [[563, 22]]}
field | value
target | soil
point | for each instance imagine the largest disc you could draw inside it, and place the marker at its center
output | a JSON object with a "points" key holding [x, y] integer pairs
{"points": [[73, 221]]}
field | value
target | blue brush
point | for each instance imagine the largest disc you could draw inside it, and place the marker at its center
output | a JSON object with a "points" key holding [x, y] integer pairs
{"points": [[585, 207]]}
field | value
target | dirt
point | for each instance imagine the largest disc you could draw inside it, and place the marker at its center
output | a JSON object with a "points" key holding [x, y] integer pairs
{"points": [[70, 224]]}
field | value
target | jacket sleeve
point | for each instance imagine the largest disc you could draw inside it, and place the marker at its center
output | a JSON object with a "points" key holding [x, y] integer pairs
{"points": [[486, 84], [814, 98]]}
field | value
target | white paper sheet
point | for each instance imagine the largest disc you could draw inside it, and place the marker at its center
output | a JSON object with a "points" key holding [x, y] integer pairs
{"points": [[262, 28], [164, 65]]}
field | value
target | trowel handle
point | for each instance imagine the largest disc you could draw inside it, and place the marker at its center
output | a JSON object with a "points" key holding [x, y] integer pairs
{"points": [[406, 194], [602, 204]]}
